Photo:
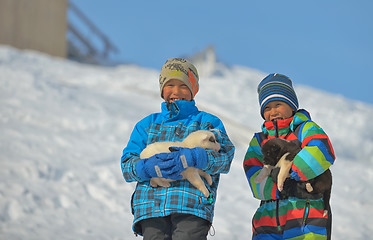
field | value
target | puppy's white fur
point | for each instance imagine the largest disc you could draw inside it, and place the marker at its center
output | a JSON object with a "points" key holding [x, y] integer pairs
{"points": [[279, 153], [284, 166], [201, 138]]}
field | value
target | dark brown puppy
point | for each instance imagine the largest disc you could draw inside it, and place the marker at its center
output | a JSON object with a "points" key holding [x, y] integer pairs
{"points": [[280, 153]]}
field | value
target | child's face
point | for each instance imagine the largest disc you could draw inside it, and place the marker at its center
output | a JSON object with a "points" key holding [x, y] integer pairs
{"points": [[176, 90], [277, 110]]}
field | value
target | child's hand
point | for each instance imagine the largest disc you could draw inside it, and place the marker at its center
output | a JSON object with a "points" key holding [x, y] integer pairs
{"points": [[190, 157], [170, 165], [159, 165]]}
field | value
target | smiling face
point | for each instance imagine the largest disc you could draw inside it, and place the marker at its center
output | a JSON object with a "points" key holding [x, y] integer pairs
{"points": [[277, 110], [175, 90]]}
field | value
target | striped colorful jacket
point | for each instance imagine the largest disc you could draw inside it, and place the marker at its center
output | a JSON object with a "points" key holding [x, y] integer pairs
{"points": [[174, 123], [290, 218]]}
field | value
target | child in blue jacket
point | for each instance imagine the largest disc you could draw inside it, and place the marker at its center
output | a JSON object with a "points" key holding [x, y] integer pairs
{"points": [[180, 211]]}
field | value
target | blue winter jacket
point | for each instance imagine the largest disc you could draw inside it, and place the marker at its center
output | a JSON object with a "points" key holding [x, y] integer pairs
{"points": [[174, 123]]}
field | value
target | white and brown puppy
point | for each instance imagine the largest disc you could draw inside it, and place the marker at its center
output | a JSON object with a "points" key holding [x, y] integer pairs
{"points": [[201, 138], [280, 153]]}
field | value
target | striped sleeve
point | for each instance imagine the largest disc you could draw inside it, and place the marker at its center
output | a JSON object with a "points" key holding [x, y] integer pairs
{"points": [[317, 153], [252, 165]]}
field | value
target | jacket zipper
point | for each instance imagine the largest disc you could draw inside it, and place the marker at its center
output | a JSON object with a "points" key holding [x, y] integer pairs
{"points": [[278, 214], [277, 201], [306, 213], [172, 107], [307, 206], [276, 127]]}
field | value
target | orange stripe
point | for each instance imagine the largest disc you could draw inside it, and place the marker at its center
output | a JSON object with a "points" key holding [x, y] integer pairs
{"points": [[317, 213], [291, 137], [301, 175], [295, 213], [274, 191], [265, 221], [308, 139], [318, 136], [192, 81], [253, 162], [299, 213]]}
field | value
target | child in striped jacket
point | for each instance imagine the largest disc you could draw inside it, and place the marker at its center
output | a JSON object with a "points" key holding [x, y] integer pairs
{"points": [[288, 214]]}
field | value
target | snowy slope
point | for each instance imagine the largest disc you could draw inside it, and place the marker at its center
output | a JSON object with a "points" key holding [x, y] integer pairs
{"points": [[64, 125]]}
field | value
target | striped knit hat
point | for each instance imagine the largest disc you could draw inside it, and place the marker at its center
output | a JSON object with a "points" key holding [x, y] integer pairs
{"points": [[276, 87], [180, 69]]}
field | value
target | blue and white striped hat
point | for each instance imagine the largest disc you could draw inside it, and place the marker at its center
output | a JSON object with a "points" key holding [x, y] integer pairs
{"points": [[276, 87]]}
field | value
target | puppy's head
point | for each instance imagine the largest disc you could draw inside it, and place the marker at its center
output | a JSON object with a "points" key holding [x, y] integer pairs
{"points": [[202, 138], [271, 152]]}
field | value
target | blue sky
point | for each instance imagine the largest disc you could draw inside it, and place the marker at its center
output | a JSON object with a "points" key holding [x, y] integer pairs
{"points": [[323, 44]]}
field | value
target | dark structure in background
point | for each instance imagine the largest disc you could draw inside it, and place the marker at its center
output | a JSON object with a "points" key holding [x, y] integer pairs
{"points": [[55, 27], [86, 43], [34, 24]]}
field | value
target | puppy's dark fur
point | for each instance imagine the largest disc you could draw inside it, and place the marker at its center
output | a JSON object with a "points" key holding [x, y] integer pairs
{"points": [[274, 150]]}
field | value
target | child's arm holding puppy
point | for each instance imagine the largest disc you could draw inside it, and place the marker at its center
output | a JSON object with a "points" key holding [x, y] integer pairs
{"points": [[317, 153]]}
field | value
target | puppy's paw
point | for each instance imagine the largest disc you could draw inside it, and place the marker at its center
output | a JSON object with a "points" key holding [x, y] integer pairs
{"points": [[162, 182], [266, 170], [193, 175], [280, 186], [260, 177], [309, 187], [206, 176]]}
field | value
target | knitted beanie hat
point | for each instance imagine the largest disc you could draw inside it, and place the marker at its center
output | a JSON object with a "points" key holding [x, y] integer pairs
{"points": [[276, 87], [180, 69]]}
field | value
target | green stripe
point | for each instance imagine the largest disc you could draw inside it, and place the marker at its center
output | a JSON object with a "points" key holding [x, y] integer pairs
{"points": [[309, 236], [311, 128], [269, 209], [268, 188], [255, 186], [320, 158], [311, 161], [301, 116]]}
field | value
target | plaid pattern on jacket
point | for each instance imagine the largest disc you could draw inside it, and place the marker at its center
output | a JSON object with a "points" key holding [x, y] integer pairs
{"points": [[290, 218], [176, 121]]}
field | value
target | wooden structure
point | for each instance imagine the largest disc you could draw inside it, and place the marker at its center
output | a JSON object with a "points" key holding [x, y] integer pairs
{"points": [[87, 43], [35, 24], [55, 27]]}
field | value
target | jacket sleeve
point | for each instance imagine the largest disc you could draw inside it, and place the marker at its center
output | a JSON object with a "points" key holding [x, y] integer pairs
{"points": [[317, 153], [252, 165], [219, 162], [131, 153]]}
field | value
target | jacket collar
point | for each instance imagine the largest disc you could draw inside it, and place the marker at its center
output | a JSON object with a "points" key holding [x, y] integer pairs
{"points": [[178, 109], [283, 126]]}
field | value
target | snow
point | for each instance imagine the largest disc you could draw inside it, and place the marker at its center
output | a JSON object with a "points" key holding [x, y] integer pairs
{"points": [[64, 125]]}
